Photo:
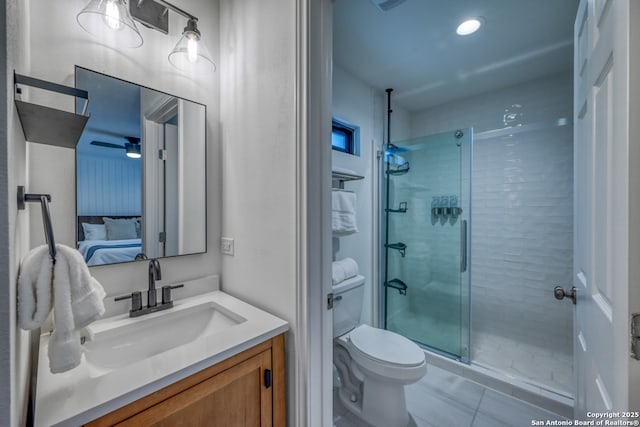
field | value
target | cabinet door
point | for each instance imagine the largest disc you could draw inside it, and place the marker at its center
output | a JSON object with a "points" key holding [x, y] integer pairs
{"points": [[236, 397]]}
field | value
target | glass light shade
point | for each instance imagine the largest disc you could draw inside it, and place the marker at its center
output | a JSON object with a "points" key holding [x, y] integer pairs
{"points": [[190, 54], [110, 21]]}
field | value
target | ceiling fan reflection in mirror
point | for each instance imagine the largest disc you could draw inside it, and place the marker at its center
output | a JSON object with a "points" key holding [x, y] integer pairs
{"points": [[132, 147]]}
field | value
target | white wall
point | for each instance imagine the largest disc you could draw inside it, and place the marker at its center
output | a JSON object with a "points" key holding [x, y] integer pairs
{"points": [[362, 105], [50, 52], [353, 101], [14, 232], [400, 120], [258, 114], [57, 44]]}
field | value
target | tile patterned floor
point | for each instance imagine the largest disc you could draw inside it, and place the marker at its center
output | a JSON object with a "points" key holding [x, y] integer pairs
{"points": [[544, 367], [443, 399]]}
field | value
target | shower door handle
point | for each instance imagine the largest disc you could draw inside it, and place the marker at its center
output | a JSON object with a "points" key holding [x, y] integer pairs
{"points": [[463, 246]]}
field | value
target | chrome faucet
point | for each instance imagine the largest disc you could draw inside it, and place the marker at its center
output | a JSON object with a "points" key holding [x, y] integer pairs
{"points": [[155, 273]]}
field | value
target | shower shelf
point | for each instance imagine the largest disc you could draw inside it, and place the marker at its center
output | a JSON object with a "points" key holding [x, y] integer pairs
{"points": [[401, 247], [402, 208], [400, 170], [397, 284]]}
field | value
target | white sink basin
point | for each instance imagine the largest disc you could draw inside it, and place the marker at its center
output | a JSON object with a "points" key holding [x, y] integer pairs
{"points": [[120, 341]]}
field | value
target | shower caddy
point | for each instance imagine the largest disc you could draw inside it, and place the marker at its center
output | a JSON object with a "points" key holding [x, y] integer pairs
{"points": [[401, 247]]}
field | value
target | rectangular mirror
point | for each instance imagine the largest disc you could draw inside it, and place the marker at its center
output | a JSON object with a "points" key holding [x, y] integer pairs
{"points": [[140, 173]]}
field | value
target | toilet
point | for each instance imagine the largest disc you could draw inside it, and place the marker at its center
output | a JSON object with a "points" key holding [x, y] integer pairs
{"points": [[373, 364]]}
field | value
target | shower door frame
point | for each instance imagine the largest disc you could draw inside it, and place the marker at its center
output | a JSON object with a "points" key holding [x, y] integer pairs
{"points": [[466, 356]]}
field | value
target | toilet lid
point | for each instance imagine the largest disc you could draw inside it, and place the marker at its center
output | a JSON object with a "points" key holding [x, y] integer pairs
{"points": [[386, 346]]}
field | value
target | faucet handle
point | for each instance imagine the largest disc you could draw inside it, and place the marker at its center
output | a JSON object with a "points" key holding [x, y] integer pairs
{"points": [[136, 300], [166, 292]]}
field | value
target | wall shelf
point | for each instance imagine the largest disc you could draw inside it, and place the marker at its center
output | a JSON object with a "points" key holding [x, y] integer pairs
{"points": [[46, 125], [342, 177]]}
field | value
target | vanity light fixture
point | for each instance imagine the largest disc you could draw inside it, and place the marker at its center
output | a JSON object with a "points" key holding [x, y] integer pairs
{"points": [[469, 26], [190, 54], [110, 21]]}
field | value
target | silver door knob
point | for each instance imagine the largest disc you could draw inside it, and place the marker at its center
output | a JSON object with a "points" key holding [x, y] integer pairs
{"points": [[560, 293]]}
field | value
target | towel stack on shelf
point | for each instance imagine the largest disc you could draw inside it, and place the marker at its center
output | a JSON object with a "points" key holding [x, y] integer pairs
{"points": [[343, 270], [343, 214]]}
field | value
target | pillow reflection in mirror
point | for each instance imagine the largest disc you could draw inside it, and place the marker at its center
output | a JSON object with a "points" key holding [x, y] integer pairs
{"points": [[94, 231], [120, 229]]}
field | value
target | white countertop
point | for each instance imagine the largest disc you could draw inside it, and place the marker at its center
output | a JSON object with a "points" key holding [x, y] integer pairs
{"points": [[87, 392]]}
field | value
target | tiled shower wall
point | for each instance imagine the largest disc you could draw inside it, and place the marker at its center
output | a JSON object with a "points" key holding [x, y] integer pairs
{"points": [[521, 240]]}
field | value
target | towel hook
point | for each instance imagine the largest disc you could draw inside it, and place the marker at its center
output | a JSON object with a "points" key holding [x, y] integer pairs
{"points": [[44, 200]]}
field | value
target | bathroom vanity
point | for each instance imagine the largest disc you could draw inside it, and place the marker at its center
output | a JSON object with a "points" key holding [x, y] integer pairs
{"points": [[210, 360], [246, 389]]}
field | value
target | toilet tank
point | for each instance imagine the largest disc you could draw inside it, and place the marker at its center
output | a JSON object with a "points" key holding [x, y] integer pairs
{"points": [[347, 304]]}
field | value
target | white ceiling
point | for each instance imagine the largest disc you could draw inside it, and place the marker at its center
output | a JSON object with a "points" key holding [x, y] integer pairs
{"points": [[414, 49]]}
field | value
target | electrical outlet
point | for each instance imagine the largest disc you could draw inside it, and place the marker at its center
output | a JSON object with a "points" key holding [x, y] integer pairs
{"points": [[226, 245]]}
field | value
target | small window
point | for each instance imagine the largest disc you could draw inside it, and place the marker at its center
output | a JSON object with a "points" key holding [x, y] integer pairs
{"points": [[345, 137]]}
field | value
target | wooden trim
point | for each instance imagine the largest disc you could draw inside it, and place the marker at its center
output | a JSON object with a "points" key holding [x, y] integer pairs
{"points": [[279, 384], [266, 394], [159, 396]]}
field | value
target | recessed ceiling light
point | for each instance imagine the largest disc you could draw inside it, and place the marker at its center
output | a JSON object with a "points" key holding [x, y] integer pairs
{"points": [[469, 26]]}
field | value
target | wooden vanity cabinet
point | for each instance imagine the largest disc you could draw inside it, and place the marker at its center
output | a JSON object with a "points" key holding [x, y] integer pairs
{"points": [[245, 390]]}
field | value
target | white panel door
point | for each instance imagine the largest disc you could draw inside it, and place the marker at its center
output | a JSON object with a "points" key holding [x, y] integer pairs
{"points": [[603, 260]]}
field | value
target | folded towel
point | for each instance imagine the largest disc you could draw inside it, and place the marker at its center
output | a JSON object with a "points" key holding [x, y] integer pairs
{"points": [[77, 301], [343, 270], [343, 214]]}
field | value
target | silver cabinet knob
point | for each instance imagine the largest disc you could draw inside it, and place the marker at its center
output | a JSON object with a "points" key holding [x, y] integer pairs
{"points": [[560, 293]]}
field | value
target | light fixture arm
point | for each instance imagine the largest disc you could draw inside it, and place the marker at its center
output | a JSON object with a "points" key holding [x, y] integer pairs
{"points": [[172, 7]]}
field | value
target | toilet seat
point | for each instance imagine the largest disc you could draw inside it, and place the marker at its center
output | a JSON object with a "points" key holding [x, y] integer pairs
{"points": [[386, 347]]}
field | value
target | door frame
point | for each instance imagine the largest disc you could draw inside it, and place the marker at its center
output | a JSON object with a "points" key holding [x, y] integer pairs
{"points": [[313, 398]]}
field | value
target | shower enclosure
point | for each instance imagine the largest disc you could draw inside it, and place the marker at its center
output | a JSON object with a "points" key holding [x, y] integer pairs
{"points": [[426, 239], [489, 304]]}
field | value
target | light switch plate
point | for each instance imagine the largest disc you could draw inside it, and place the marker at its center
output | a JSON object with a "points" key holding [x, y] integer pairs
{"points": [[226, 245]]}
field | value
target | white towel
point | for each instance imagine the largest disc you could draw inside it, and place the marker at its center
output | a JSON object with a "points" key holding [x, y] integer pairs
{"points": [[343, 214], [77, 301], [343, 270], [34, 288]]}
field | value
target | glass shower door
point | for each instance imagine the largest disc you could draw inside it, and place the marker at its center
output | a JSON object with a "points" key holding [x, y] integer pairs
{"points": [[426, 208]]}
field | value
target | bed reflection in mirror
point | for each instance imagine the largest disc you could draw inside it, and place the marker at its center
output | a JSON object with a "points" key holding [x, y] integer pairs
{"points": [[140, 173]]}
